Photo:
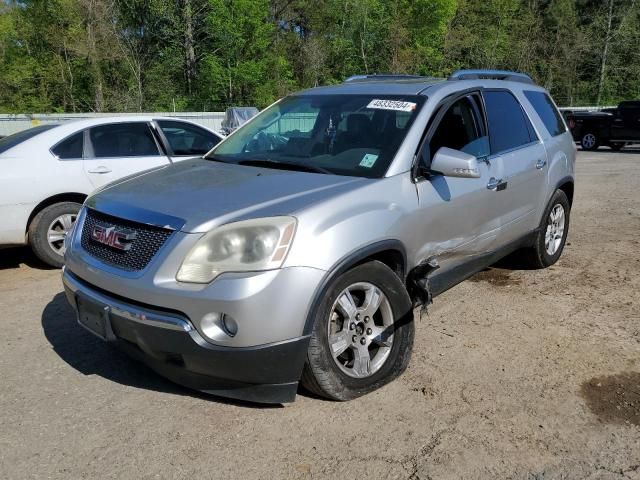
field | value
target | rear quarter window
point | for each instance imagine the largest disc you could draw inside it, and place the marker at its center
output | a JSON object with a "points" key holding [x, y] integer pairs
{"points": [[547, 112], [70, 148]]}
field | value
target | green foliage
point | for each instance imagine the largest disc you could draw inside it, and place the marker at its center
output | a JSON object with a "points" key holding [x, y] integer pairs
{"points": [[135, 55]]}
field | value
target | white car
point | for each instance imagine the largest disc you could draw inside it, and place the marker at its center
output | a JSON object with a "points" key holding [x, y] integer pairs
{"points": [[49, 170]]}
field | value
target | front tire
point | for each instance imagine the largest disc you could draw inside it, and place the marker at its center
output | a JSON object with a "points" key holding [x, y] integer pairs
{"points": [[48, 230], [552, 233], [362, 335], [589, 141]]}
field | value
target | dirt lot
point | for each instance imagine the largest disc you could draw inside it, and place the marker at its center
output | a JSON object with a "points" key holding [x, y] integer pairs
{"points": [[516, 374]]}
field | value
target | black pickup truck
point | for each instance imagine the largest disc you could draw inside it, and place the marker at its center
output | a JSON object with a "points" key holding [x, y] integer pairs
{"points": [[613, 127]]}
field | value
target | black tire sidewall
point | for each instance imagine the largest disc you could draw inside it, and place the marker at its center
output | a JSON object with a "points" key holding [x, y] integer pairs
{"points": [[38, 231], [344, 387], [559, 198]]}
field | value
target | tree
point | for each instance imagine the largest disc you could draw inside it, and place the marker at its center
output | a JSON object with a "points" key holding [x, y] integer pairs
{"points": [[133, 55]]}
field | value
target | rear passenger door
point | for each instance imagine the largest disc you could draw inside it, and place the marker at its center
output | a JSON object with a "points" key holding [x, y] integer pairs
{"points": [[515, 144], [116, 150]]}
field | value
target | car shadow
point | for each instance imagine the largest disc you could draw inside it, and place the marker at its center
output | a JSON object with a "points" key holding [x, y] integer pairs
{"points": [[13, 257], [634, 150], [513, 261], [91, 356]]}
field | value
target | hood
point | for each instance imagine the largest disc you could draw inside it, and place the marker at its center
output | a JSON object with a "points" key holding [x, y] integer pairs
{"points": [[204, 193]]}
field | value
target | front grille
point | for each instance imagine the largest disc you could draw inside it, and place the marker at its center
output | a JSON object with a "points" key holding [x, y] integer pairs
{"points": [[149, 239]]}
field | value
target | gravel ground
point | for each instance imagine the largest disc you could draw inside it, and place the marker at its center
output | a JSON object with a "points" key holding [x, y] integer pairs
{"points": [[515, 374]]}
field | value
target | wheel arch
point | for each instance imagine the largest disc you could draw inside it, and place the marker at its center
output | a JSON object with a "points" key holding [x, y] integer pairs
{"points": [[52, 200], [567, 186], [390, 252]]}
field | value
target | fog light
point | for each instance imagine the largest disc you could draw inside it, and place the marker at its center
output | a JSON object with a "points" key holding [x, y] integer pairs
{"points": [[218, 326], [230, 325]]}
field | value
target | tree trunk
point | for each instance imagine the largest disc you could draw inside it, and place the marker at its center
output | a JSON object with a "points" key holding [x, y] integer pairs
{"points": [[189, 51], [605, 53], [92, 55]]}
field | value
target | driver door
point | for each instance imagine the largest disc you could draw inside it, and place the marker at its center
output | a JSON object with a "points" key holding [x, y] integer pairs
{"points": [[457, 220]]}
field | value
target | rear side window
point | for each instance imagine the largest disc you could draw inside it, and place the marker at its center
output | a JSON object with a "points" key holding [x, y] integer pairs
{"points": [[547, 112], [12, 140], [123, 140], [186, 139], [70, 147], [509, 128]]}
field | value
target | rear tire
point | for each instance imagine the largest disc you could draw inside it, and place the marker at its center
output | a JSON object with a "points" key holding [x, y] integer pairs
{"points": [[339, 371], [48, 230], [589, 141], [552, 233], [616, 147]]}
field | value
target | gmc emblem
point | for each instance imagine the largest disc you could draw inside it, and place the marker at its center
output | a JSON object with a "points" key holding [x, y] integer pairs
{"points": [[113, 237]]}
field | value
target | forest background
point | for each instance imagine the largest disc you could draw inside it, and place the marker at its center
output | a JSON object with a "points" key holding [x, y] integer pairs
{"points": [[206, 55]]}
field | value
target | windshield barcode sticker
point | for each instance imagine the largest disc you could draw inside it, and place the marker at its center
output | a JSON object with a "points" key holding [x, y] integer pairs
{"points": [[396, 105]]}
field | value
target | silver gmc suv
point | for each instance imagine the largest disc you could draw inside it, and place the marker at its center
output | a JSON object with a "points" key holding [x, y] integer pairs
{"points": [[297, 249]]}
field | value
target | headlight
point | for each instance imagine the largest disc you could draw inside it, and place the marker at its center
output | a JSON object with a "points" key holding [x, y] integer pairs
{"points": [[246, 246]]}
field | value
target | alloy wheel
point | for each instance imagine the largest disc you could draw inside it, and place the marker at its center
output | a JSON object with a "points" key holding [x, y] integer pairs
{"points": [[589, 140], [58, 230], [555, 229], [360, 330]]}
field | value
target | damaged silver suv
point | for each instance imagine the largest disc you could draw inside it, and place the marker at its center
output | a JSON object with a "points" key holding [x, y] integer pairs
{"points": [[297, 249]]}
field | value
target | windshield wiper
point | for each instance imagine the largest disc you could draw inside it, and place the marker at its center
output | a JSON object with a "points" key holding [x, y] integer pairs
{"points": [[302, 167]]}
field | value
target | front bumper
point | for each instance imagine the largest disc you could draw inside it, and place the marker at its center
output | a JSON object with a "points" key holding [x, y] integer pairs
{"points": [[268, 307], [168, 343]]}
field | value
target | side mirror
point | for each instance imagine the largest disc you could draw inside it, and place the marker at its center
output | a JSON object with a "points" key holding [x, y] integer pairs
{"points": [[454, 163]]}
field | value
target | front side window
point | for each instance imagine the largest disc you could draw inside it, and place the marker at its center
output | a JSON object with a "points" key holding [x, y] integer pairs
{"points": [[547, 112], [123, 140], [70, 147], [187, 139], [509, 128], [355, 135], [461, 128]]}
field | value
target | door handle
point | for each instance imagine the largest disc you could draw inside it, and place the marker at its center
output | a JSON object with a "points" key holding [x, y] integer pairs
{"points": [[541, 163], [100, 169], [496, 184]]}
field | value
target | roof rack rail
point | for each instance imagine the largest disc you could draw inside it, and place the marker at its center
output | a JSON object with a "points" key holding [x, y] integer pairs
{"points": [[491, 75], [382, 76]]}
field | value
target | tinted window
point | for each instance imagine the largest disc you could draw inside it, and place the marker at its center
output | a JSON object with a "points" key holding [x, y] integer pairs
{"points": [[630, 104], [123, 140], [547, 112], [70, 147], [507, 123], [12, 140], [186, 139], [461, 129]]}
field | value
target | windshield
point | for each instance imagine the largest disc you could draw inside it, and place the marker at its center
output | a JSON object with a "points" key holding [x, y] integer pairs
{"points": [[355, 135], [12, 140]]}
